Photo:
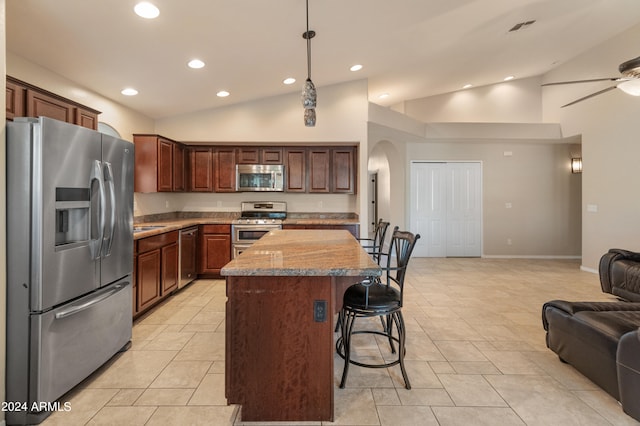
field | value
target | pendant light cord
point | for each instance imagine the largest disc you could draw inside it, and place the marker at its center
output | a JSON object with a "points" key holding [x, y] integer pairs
{"points": [[308, 37]]}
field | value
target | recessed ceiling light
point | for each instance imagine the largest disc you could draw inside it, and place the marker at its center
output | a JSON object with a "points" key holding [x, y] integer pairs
{"points": [[129, 91], [510, 77], [289, 80], [356, 67], [146, 10], [466, 86], [195, 64], [383, 96], [222, 94]]}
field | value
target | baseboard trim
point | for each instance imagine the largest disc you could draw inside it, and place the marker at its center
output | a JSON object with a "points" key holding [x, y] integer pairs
{"points": [[593, 271], [532, 256]]}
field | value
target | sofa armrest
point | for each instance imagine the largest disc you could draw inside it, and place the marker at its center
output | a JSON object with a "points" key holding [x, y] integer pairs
{"points": [[606, 261], [628, 366], [572, 308]]}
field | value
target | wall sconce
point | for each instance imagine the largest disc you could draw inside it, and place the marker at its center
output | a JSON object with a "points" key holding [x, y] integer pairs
{"points": [[576, 165]]}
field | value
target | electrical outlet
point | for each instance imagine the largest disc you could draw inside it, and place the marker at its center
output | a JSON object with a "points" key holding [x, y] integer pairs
{"points": [[319, 310], [166, 204], [508, 241]]}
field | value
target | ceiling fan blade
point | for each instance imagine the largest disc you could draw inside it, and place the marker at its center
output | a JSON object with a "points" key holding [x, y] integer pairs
{"points": [[582, 81], [590, 96]]}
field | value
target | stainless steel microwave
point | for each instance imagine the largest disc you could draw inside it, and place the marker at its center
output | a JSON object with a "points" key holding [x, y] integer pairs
{"points": [[259, 177]]}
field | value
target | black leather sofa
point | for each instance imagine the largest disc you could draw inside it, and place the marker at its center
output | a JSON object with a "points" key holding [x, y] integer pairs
{"points": [[602, 339]]}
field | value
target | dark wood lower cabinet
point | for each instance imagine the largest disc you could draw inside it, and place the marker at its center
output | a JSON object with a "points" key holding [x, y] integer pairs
{"points": [[169, 268], [215, 248], [156, 269], [148, 279]]}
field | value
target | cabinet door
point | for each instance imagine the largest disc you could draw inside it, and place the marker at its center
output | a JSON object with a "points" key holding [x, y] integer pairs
{"points": [[225, 170], [201, 170], [271, 155], [165, 166], [249, 155], [169, 268], [319, 170], [343, 175], [39, 104], [215, 253], [178, 167], [15, 101], [86, 119], [295, 169], [148, 277]]}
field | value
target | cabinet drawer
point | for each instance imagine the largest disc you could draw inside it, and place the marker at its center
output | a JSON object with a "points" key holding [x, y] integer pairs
{"points": [[216, 229], [157, 241]]}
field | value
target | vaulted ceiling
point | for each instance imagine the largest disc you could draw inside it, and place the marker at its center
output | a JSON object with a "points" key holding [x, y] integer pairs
{"points": [[409, 49]]}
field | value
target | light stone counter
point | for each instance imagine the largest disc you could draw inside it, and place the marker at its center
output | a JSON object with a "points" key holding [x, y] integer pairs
{"points": [[303, 253]]}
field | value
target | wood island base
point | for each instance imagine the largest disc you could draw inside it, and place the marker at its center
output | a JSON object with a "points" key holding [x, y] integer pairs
{"points": [[282, 294]]}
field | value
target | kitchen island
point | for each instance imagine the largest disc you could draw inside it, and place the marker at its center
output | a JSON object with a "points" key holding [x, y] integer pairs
{"points": [[282, 293]]}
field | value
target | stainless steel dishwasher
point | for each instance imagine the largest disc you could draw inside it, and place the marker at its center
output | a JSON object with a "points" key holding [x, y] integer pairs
{"points": [[187, 256]]}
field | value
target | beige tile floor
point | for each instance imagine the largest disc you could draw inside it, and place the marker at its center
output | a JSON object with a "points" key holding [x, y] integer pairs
{"points": [[475, 354]]}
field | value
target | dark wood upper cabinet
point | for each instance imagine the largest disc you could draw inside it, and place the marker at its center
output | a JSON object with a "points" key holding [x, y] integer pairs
{"points": [[26, 100], [224, 171], [16, 95], [42, 104], [319, 161], [153, 163], [343, 173], [200, 169], [249, 155], [295, 169], [179, 168], [260, 155]]}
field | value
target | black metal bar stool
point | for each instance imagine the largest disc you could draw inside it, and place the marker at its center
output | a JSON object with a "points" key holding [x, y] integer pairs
{"points": [[375, 245], [381, 297]]}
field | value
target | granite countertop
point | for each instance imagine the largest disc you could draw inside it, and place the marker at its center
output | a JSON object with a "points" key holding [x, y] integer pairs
{"points": [[173, 224], [303, 253]]}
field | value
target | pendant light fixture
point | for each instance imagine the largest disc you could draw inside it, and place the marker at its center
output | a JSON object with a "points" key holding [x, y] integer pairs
{"points": [[309, 89]]}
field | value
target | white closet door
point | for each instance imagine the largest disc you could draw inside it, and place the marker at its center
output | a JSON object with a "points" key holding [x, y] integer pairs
{"points": [[464, 211], [446, 209], [429, 208]]}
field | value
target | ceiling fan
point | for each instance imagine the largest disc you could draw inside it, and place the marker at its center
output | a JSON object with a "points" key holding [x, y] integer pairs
{"points": [[629, 82]]}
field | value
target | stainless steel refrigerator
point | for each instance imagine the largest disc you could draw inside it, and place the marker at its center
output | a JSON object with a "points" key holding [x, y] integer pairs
{"points": [[69, 260]]}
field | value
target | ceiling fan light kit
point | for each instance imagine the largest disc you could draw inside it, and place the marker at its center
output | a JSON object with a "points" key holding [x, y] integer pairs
{"points": [[629, 82], [630, 87]]}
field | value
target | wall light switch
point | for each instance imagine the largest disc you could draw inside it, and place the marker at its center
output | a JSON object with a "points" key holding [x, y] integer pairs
{"points": [[508, 205], [592, 208], [508, 153]]}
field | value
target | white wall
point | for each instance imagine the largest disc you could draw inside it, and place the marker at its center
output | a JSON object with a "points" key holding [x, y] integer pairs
{"points": [[126, 121], [609, 125], [544, 219], [341, 117], [515, 101]]}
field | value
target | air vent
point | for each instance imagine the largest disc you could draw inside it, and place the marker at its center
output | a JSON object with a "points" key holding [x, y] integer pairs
{"points": [[521, 26]]}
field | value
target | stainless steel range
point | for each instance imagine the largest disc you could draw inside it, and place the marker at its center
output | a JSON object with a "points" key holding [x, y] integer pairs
{"points": [[256, 219]]}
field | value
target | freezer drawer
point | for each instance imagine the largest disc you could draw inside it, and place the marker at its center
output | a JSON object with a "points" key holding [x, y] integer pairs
{"points": [[72, 341]]}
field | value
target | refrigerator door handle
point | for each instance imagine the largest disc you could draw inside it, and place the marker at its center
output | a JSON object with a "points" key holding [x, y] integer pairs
{"points": [[95, 245], [72, 310], [108, 178]]}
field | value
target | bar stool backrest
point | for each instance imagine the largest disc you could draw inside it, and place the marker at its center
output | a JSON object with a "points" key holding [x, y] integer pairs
{"points": [[400, 249]]}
